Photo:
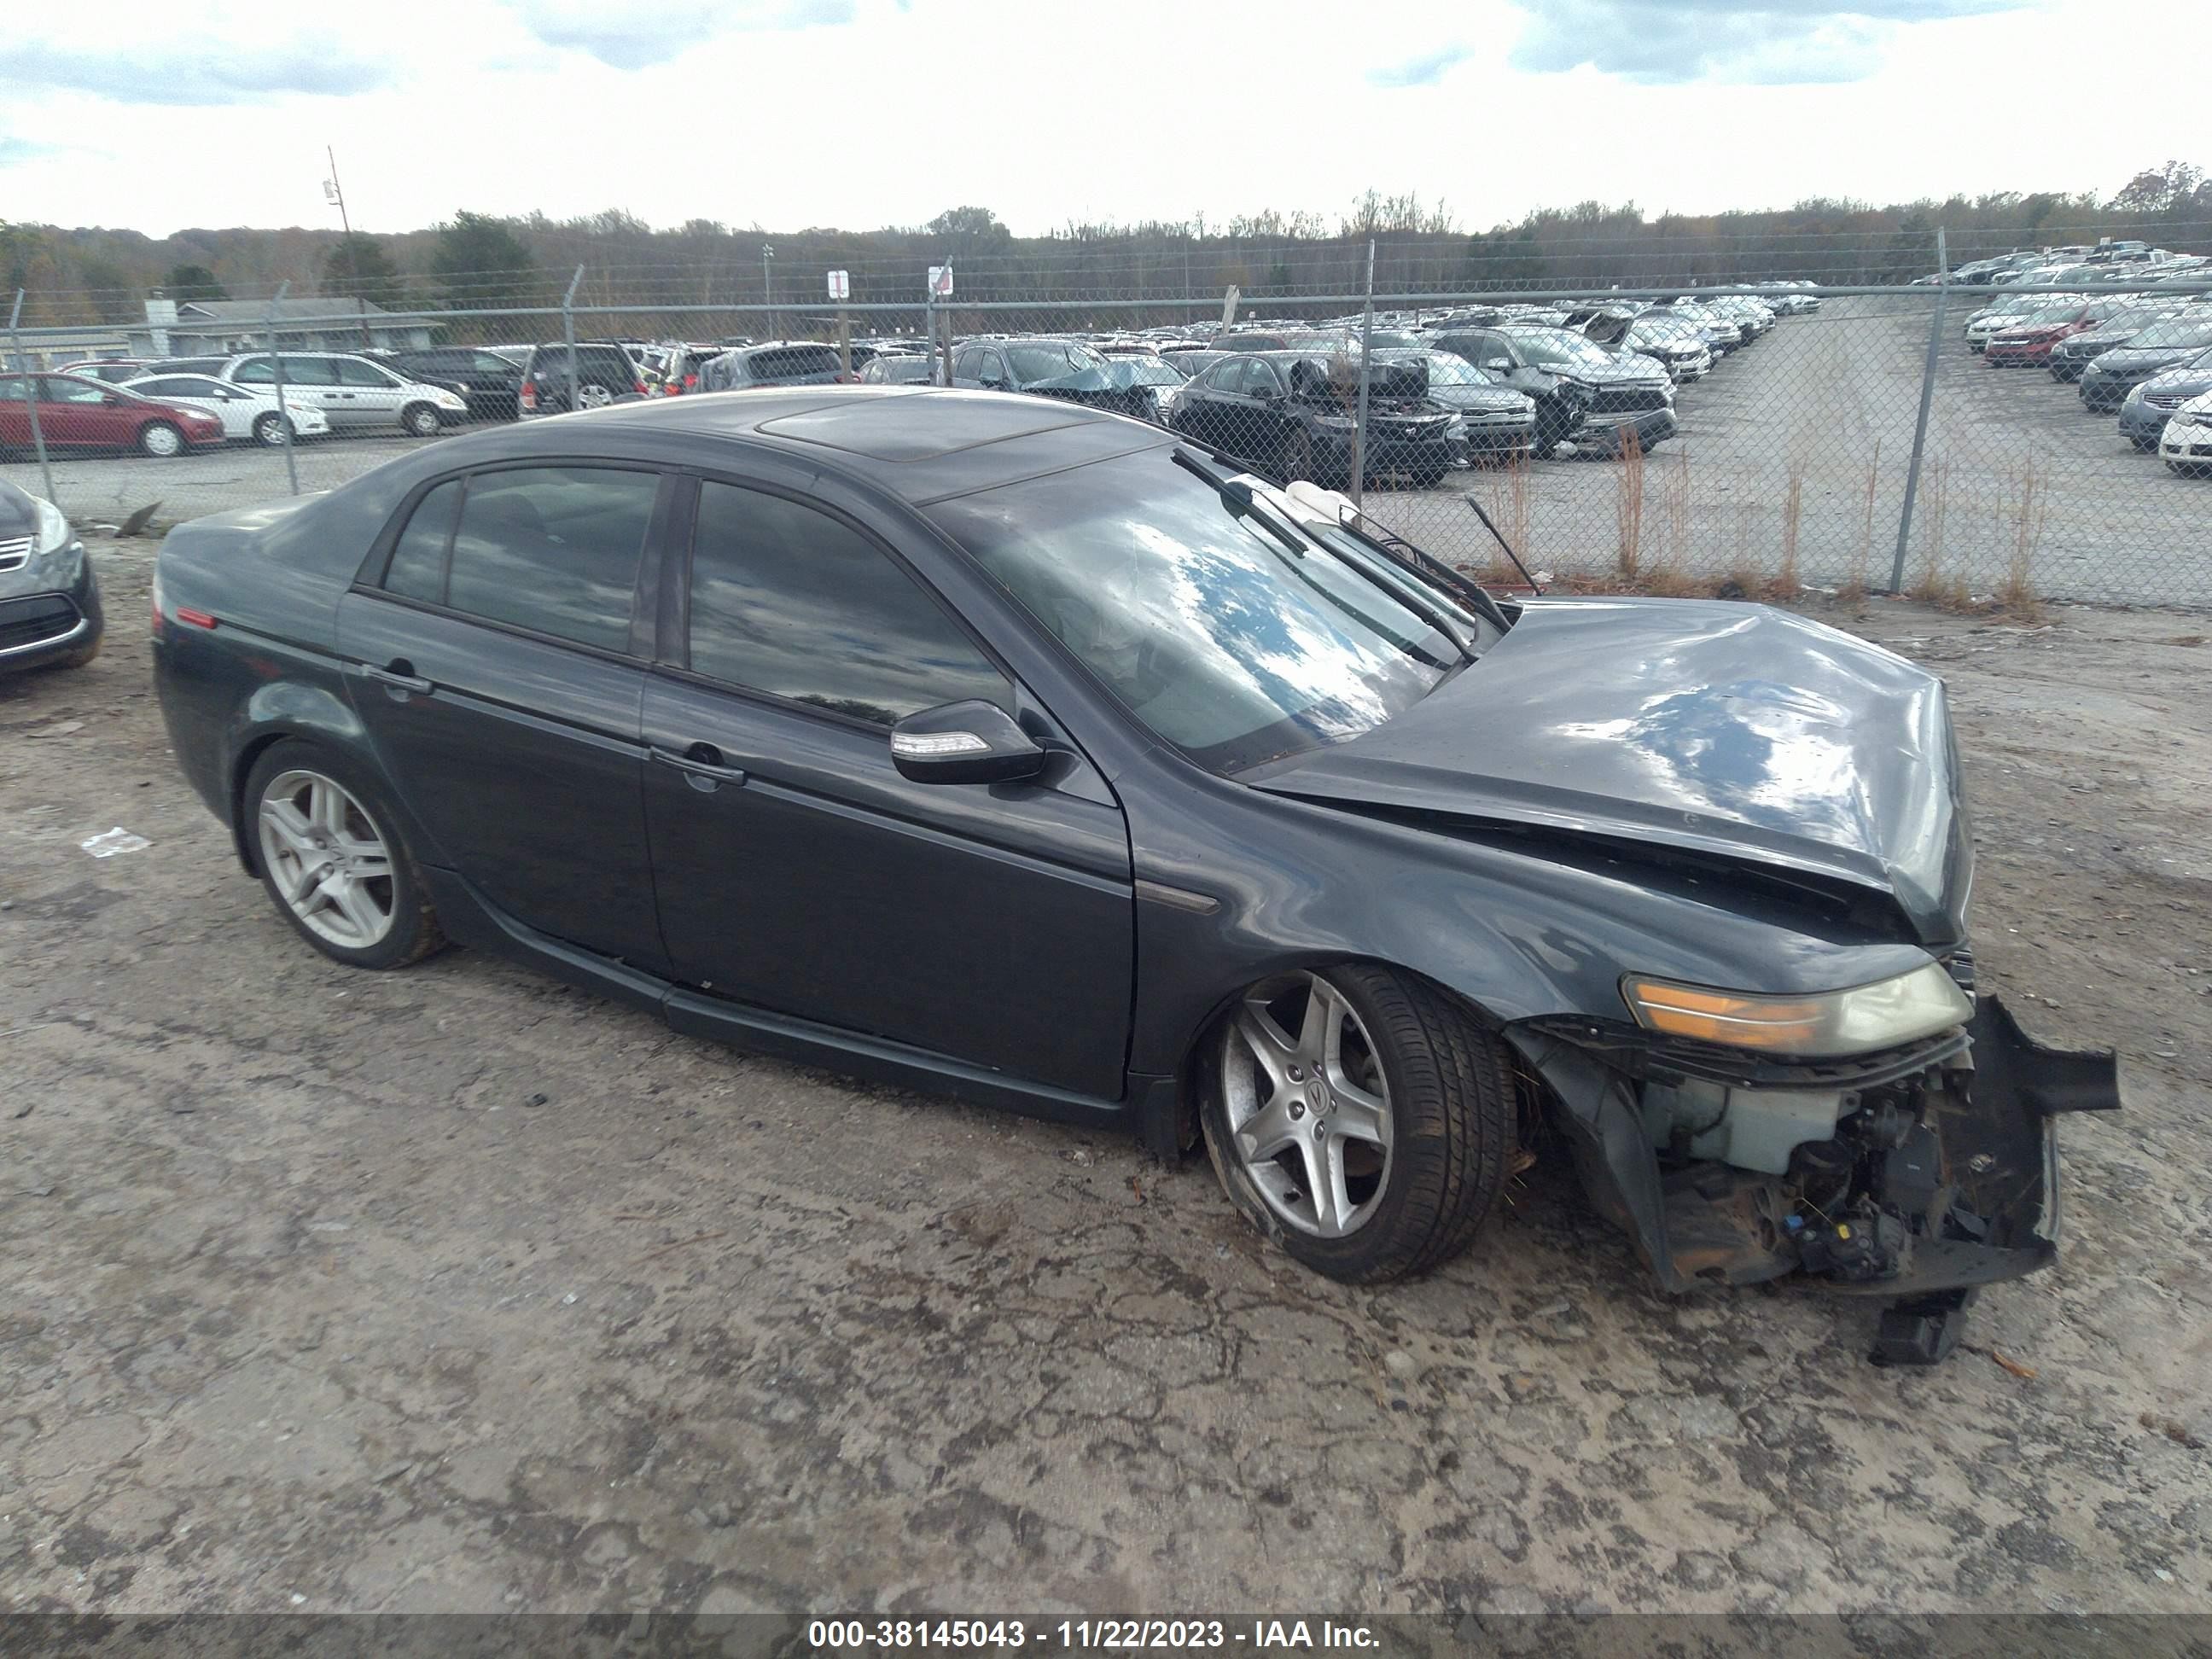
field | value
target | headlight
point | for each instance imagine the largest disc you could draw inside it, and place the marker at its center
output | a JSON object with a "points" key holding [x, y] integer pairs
{"points": [[2135, 392], [53, 533], [1858, 1021]]}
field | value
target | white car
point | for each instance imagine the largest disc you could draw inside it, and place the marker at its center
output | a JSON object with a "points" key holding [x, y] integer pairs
{"points": [[247, 413], [353, 393], [2186, 444]]}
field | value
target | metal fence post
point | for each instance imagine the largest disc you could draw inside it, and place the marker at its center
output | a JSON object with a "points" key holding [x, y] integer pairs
{"points": [[568, 329], [1366, 344], [30, 394], [1920, 427], [277, 359]]}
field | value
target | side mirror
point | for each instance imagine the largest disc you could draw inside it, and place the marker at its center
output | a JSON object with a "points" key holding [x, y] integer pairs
{"points": [[968, 742]]}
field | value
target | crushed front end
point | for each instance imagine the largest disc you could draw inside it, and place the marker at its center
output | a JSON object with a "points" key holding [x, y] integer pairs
{"points": [[1916, 1173]]}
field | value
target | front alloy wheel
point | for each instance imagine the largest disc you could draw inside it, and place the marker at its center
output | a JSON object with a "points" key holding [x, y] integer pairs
{"points": [[1361, 1118], [1309, 1110]]}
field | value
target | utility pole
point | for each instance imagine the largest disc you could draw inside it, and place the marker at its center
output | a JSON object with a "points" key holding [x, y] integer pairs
{"points": [[334, 191]]}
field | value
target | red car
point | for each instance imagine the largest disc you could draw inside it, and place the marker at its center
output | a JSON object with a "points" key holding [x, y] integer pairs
{"points": [[2030, 339], [77, 413]]}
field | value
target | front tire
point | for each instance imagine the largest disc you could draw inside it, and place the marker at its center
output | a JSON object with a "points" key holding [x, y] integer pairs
{"points": [[160, 440], [333, 861], [1295, 457], [1374, 1142], [269, 430], [421, 420]]}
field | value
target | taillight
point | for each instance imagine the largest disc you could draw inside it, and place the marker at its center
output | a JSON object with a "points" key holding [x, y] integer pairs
{"points": [[640, 388], [159, 620], [529, 397], [197, 618], [691, 382]]}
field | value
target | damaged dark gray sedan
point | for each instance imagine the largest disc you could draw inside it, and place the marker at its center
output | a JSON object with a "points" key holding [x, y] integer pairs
{"points": [[1024, 752]]}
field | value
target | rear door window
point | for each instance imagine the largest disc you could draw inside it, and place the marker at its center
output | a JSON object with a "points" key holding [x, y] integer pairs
{"points": [[553, 549], [417, 570]]}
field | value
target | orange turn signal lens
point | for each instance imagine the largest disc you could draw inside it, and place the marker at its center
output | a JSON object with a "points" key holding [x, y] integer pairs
{"points": [[1857, 1020], [1744, 1022]]}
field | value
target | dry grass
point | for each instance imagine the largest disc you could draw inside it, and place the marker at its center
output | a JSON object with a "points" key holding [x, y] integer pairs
{"points": [[1628, 510], [2030, 508], [1784, 584], [1510, 503], [1934, 510], [1856, 586]]}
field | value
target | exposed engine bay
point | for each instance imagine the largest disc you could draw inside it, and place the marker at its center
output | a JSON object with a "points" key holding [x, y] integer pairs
{"points": [[1920, 1174]]}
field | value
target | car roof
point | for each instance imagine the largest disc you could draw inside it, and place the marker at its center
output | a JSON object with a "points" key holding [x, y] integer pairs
{"points": [[923, 443]]}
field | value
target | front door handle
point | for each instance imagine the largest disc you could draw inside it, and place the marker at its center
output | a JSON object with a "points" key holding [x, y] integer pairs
{"points": [[397, 680], [701, 765]]}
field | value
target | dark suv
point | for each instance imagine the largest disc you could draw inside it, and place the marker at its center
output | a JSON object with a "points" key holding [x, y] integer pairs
{"points": [[605, 374], [775, 362], [488, 382], [1584, 393]]}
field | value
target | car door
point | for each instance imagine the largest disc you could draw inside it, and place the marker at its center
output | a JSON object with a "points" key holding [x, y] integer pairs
{"points": [[1203, 412], [78, 414], [372, 396], [798, 872], [14, 413], [490, 652], [308, 379]]}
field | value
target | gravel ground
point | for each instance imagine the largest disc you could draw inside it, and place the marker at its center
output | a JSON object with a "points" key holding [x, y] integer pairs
{"points": [[455, 1288], [1821, 410]]}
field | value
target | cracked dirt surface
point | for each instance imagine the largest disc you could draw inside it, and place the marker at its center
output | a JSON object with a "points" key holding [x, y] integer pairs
{"points": [[455, 1288]]}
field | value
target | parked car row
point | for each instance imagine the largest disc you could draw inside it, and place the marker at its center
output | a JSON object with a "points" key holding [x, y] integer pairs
{"points": [[2145, 355], [1444, 390], [167, 406]]}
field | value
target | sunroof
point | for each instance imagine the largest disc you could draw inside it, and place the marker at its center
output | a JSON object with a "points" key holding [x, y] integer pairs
{"points": [[922, 427]]}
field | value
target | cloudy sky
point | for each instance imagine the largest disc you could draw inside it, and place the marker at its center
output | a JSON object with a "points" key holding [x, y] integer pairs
{"points": [[866, 113]]}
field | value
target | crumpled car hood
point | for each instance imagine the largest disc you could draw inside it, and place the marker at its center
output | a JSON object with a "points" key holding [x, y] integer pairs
{"points": [[1728, 730]]}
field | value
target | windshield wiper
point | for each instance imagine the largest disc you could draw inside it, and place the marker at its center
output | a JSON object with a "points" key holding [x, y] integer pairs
{"points": [[1240, 500]]}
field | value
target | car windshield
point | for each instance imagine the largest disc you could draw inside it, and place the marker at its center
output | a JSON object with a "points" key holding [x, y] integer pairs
{"points": [[1056, 362], [1557, 347], [2176, 331], [1217, 638], [1127, 371], [1445, 369]]}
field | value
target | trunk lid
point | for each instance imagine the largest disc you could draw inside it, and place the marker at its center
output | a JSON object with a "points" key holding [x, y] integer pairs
{"points": [[1728, 731]]}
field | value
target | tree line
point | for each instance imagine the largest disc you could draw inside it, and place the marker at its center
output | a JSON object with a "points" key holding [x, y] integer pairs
{"points": [[480, 260]]}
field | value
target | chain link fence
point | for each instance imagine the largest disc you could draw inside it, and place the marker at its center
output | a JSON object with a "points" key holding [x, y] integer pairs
{"points": [[1754, 439]]}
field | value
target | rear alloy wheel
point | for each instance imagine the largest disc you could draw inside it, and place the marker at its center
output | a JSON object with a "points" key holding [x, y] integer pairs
{"points": [[1359, 1118], [592, 395], [331, 862], [159, 438], [421, 420]]}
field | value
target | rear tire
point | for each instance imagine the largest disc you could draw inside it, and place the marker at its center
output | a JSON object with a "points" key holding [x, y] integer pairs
{"points": [[376, 920], [1444, 1089]]}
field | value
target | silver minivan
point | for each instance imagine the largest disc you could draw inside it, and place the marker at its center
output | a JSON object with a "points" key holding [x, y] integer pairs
{"points": [[354, 392]]}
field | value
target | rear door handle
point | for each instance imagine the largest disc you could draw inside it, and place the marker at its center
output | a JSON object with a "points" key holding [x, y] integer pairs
{"points": [[701, 765], [396, 681]]}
